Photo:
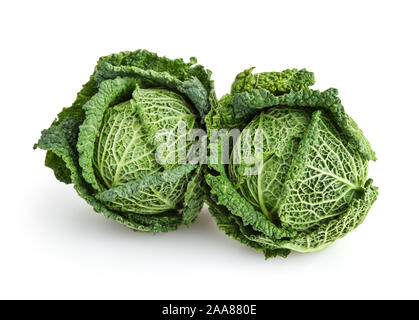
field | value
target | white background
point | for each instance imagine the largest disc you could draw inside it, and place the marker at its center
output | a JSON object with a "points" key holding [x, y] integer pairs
{"points": [[53, 245]]}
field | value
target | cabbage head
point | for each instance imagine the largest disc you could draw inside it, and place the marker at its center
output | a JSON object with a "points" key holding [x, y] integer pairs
{"points": [[311, 187], [105, 143]]}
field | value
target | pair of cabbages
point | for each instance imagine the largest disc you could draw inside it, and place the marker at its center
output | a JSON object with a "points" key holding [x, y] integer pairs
{"points": [[311, 186]]}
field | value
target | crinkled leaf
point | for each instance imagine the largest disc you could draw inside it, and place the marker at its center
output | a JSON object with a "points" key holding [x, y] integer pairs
{"points": [[110, 92], [247, 104], [122, 152], [237, 205], [59, 167], [165, 113], [280, 145], [154, 71], [76, 111], [338, 227], [275, 82], [233, 227], [194, 196], [323, 179], [133, 188]]}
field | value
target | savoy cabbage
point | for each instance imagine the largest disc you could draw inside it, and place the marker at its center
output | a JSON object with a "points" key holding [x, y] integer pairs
{"points": [[311, 187], [105, 142]]}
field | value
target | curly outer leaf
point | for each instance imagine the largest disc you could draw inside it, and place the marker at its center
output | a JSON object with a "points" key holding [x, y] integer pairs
{"points": [[336, 228], [247, 104], [60, 140], [329, 101], [154, 71], [76, 111], [237, 205], [109, 92], [275, 82], [132, 188], [147, 223], [194, 196], [59, 167], [234, 228], [300, 159]]}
